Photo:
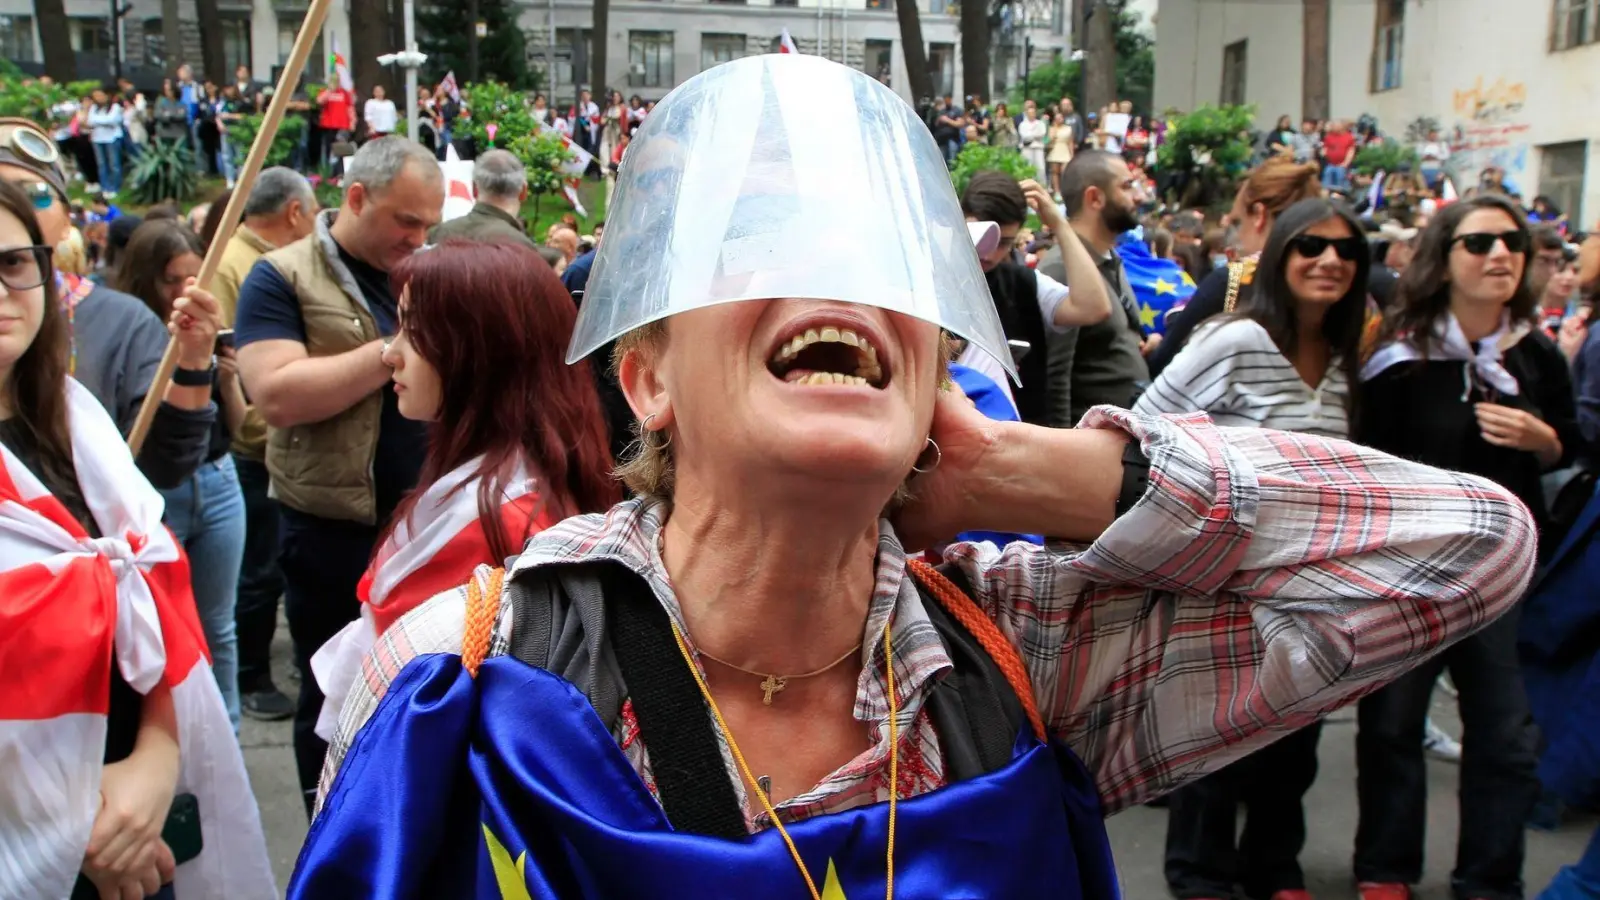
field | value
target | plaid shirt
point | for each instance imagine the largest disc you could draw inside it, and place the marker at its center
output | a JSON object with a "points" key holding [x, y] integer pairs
{"points": [[1265, 579]]}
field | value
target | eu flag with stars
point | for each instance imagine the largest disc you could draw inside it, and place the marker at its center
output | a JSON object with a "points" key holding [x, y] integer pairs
{"points": [[508, 786], [1158, 285]]}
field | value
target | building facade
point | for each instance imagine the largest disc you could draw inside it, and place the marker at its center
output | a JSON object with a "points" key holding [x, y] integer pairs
{"points": [[1509, 84], [651, 45]]}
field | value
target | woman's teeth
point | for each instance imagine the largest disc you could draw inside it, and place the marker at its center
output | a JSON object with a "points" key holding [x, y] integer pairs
{"points": [[868, 370], [803, 377]]}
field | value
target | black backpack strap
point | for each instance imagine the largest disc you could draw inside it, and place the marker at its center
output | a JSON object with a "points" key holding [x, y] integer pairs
{"points": [[684, 754], [974, 709]]}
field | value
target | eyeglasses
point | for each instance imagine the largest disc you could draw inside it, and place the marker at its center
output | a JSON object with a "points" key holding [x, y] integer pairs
{"points": [[1312, 246], [24, 268], [1479, 243]]}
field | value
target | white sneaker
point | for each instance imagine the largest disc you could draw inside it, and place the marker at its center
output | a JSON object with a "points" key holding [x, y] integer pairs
{"points": [[1439, 745]]}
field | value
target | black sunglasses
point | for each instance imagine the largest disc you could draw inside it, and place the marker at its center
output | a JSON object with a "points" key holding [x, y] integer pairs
{"points": [[1312, 246], [1479, 243]]}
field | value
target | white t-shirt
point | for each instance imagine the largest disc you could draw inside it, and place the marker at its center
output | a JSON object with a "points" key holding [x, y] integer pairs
{"points": [[1434, 151], [1235, 372], [381, 116]]}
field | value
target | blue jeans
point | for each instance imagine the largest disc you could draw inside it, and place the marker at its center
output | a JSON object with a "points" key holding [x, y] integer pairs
{"points": [[108, 158], [207, 515], [1336, 178]]}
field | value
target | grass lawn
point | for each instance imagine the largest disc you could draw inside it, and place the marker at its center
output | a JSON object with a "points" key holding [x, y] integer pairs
{"points": [[546, 210]]}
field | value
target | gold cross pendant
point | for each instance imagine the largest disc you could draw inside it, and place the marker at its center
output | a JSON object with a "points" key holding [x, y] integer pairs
{"points": [[771, 686]]}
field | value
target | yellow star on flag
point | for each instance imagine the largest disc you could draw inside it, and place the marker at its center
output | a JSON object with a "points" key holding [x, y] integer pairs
{"points": [[510, 877], [1164, 286], [1188, 280], [1147, 316], [831, 890]]}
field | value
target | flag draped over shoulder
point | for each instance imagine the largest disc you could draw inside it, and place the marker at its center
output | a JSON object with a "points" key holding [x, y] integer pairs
{"points": [[1159, 285], [507, 786], [71, 607], [431, 551]]}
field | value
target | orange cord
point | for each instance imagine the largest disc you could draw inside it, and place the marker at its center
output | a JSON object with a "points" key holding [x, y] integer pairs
{"points": [[483, 606], [956, 602]]}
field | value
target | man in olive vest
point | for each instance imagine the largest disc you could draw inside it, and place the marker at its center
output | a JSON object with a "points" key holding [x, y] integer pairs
{"points": [[312, 320]]}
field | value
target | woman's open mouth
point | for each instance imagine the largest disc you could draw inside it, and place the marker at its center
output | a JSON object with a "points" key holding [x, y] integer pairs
{"points": [[828, 355]]}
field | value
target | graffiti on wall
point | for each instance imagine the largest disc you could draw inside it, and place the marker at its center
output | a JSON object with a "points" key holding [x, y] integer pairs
{"points": [[1491, 131]]}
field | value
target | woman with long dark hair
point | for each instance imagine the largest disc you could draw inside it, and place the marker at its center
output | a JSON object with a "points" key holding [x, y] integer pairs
{"points": [[122, 774], [1286, 358], [206, 511], [517, 438], [1463, 379]]}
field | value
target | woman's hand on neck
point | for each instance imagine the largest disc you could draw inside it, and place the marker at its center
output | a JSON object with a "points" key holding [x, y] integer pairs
{"points": [[771, 585]]}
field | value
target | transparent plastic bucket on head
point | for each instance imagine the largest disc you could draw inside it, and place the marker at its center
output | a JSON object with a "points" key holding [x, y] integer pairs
{"points": [[785, 176]]}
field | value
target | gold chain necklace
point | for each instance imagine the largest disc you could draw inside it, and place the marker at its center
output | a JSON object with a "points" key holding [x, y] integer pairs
{"points": [[772, 684], [766, 803]]}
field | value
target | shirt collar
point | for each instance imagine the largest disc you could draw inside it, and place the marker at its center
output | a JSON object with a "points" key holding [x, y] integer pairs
{"points": [[628, 534]]}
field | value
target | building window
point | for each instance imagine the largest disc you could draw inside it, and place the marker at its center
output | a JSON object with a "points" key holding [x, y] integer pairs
{"points": [[880, 4], [1577, 22], [316, 64], [1388, 45], [569, 57], [153, 43], [878, 60], [1235, 63], [236, 45], [16, 38], [650, 59], [942, 67], [785, 2], [716, 49], [1561, 171], [90, 35]]}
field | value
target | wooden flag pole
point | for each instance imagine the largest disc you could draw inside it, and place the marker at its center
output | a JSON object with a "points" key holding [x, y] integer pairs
{"points": [[310, 30]]}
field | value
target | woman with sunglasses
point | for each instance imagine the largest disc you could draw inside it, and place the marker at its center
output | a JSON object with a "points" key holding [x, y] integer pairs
{"points": [[123, 779], [1284, 359], [1462, 379], [115, 343], [205, 512]]}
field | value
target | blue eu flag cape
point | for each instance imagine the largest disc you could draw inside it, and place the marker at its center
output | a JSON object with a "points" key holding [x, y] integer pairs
{"points": [[1159, 285], [508, 785]]}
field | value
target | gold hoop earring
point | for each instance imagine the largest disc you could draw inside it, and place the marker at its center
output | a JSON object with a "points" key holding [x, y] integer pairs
{"points": [[938, 457]]}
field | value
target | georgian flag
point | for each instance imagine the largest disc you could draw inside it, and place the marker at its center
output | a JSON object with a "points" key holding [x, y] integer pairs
{"points": [[432, 551], [450, 87], [337, 65], [786, 43], [71, 607]]}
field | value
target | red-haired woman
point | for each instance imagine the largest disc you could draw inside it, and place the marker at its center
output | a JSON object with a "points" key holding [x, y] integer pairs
{"points": [[518, 439]]}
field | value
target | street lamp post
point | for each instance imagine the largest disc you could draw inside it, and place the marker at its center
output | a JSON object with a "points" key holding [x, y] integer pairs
{"points": [[411, 61]]}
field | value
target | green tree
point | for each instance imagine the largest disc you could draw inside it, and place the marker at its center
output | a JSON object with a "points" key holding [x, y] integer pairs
{"points": [[443, 32], [26, 98], [1135, 69], [978, 157], [1209, 149], [1049, 83], [242, 135], [1387, 156], [544, 154]]}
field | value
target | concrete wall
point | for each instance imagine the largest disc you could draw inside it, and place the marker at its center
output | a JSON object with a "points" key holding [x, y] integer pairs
{"points": [[1480, 67]]}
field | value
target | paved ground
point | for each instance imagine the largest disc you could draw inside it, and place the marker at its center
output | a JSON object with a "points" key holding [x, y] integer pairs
{"points": [[1137, 835]]}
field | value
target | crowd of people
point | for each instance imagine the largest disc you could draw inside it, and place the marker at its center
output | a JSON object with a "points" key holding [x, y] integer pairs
{"points": [[827, 519]]}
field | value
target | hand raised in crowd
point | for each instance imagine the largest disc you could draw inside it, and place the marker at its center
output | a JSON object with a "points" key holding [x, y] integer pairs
{"points": [[1570, 338], [126, 858], [1518, 429], [1044, 205], [195, 320], [227, 365]]}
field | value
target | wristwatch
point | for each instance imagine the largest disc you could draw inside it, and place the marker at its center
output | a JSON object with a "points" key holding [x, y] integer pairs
{"points": [[195, 377], [1135, 477]]}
